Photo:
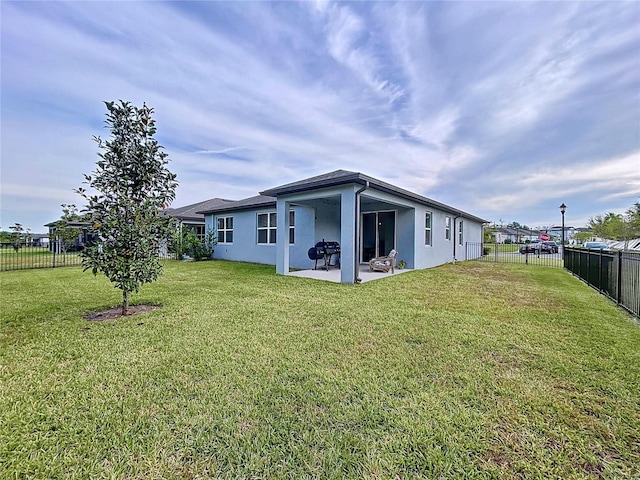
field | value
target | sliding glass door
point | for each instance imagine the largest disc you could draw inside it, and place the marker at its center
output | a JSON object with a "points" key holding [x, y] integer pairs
{"points": [[378, 234]]}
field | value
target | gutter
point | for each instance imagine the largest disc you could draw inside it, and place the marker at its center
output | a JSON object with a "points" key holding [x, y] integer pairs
{"points": [[356, 261], [455, 237]]}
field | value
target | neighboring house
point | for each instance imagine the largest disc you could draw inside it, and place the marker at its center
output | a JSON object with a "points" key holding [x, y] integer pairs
{"points": [[83, 239], [40, 239], [510, 235], [366, 216], [189, 218], [556, 231]]}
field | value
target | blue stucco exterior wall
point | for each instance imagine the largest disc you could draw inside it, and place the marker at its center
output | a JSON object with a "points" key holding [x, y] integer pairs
{"points": [[410, 235], [328, 222], [245, 247], [441, 250], [406, 225]]}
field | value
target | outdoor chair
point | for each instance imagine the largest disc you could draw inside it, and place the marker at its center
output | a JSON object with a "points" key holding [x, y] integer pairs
{"points": [[384, 264]]}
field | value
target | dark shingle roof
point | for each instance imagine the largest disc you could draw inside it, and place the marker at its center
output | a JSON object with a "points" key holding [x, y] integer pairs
{"points": [[342, 177], [511, 231], [244, 204], [72, 224], [192, 212], [338, 177]]}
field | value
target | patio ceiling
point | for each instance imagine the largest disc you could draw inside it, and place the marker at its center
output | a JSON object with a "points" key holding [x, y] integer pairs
{"points": [[367, 202]]}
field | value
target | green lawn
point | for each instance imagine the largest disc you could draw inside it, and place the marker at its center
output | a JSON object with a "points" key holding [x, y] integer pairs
{"points": [[502, 247], [464, 371], [544, 259], [35, 257]]}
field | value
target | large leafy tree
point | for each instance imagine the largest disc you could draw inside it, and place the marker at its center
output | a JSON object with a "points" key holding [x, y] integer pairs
{"points": [[6, 237], [609, 226], [633, 220], [517, 226], [133, 185], [615, 226]]}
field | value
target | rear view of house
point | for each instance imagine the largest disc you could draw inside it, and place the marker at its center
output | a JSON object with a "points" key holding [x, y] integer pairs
{"points": [[366, 216]]}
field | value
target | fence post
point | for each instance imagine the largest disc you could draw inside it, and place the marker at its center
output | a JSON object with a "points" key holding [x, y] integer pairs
{"points": [[600, 271], [57, 250], [619, 279]]}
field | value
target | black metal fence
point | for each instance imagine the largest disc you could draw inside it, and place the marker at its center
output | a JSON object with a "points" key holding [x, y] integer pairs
{"points": [[614, 274], [31, 257], [513, 253]]}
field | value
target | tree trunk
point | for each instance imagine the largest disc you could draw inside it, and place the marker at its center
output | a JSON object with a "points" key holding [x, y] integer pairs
{"points": [[125, 302]]}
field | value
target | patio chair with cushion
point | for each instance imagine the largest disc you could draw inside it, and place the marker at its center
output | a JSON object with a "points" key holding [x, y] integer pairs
{"points": [[384, 264]]}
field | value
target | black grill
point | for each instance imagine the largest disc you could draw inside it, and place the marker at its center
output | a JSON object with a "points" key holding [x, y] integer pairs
{"points": [[325, 251]]}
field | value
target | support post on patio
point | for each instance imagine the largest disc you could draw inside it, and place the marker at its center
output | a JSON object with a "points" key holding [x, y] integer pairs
{"points": [[358, 239], [282, 240], [348, 261]]}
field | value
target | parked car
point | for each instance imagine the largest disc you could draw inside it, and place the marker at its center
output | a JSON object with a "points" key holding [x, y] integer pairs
{"points": [[536, 246], [597, 246], [528, 247]]}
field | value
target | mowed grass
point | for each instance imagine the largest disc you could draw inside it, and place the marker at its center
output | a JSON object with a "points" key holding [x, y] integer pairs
{"points": [[502, 247], [35, 257], [464, 371], [544, 259]]}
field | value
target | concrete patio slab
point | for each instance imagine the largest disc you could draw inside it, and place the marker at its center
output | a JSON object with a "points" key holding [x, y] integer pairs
{"points": [[333, 274]]}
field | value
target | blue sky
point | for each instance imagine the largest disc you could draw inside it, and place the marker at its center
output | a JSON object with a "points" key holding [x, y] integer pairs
{"points": [[501, 109]]}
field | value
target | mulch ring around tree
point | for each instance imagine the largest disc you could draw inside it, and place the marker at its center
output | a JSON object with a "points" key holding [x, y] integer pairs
{"points": [[116, 312]]}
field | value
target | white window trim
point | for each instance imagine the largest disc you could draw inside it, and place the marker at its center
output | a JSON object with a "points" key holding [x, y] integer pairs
{"points": [[429, 229], [292, 228], [461, 233], [268, 228], [218, 230], [447, 228]]}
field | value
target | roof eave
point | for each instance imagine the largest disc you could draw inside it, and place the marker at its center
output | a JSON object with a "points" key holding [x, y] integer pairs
{"points": [[375, 184], [238, 208], [325, 183]]}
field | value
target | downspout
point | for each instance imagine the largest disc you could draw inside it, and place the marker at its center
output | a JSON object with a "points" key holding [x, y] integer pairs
{"points": [[356, 261], [455, 237]]}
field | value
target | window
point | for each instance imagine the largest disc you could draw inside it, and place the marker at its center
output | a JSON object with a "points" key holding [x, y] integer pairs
{"points": [[292, 227], [427, 228], [225, 229], [460, 236], [447, 228], [267, 228]]}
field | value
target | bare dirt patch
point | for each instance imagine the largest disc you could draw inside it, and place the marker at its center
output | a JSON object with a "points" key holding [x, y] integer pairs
{"points": [[116, 312]]}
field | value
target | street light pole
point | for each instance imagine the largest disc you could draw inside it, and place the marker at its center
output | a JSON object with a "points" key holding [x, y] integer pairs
{"points": [[563, 208]]}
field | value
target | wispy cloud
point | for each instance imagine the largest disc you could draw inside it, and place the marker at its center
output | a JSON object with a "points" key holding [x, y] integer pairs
{"points": [[218, 152], [350, 44]]}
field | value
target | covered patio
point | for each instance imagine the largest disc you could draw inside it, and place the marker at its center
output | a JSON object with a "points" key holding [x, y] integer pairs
{"points": [[364, 222], [333, 274]]}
